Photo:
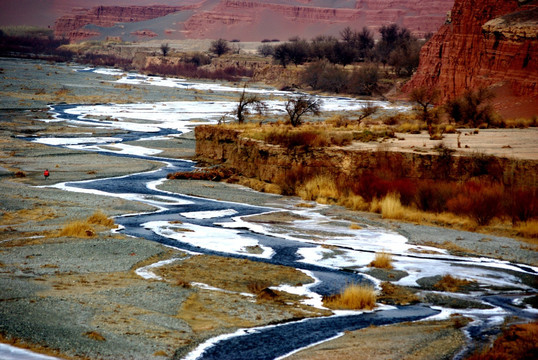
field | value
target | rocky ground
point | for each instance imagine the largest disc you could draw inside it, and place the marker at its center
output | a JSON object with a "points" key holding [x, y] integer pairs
{"points": [[81, 297]]}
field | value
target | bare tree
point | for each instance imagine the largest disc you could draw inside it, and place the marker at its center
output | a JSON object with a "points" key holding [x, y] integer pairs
{"points": [[219, 47], [246, 100], [369, 110], [298, 106], [165, 49], [425, 97]]}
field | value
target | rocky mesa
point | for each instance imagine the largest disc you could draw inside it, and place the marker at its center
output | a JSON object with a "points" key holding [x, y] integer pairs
{"points": [[485, 43]]}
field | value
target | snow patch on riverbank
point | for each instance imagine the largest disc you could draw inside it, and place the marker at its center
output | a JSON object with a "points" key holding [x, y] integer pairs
{"points": [[222, 240]]}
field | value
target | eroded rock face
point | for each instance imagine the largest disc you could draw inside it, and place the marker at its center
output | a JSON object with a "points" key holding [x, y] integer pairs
{"points": [[272, 163], [71, 26], [253, 20], [485, 43]]}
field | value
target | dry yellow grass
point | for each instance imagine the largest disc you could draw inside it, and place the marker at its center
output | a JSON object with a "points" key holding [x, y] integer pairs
{"points": [[353, 297], [355, 226], [451, 284], [78, 229], [383, 260], [529, 230], [99, 218], [354, 202], [321, 189], [396, 295], [94, 335], [392, 208], [84, 229]]}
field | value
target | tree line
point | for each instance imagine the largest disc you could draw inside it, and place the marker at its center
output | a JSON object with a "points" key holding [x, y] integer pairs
{"points": [[397, 47]]}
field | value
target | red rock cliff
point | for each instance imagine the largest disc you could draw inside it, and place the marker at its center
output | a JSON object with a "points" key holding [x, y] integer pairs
{"points": [[71, 26], [485, 43], [253, 20]]}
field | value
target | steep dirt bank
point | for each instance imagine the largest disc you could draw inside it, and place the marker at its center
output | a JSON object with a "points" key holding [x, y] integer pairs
{"points": [[271, 163]]}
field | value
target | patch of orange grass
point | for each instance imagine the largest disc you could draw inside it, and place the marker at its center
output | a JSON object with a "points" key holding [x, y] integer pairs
{"points": [[79, 229], [322, 189], [99, 218], [516, 342], [390, 207], [529, 230], [451, 284], [354, 202], [94, 335], [353, 297], [383, 260]]}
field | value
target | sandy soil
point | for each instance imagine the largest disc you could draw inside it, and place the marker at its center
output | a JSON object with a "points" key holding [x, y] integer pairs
{"points": [[81, 298], [510, 143]]}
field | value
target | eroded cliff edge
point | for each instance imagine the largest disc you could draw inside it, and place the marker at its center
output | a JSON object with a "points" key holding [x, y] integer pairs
{"points": [[272, 163], [485, 43]]}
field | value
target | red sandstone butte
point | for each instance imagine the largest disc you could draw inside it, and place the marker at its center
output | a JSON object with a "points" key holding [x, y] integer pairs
{"points": [[485, 43]]}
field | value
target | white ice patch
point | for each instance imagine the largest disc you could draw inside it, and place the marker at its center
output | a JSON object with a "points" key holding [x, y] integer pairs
{"points": [[146, 273], [124, 149], [223, 240], [8, 352], [446, 313], [64, 141], [312, 298], [208, 214], [212, 288]]}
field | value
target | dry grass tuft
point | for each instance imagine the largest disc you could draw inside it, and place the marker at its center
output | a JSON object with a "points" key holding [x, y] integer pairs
{"points": [[353, 297], [529, 230], [160, 353], [355, 226], [354, 202], [99, 218], [396, 295], [85, 229], [392, 208], [451, 284], [184, 284], [383, 260], [79, 229], [94, 335], [321, 189], [516, 342]]}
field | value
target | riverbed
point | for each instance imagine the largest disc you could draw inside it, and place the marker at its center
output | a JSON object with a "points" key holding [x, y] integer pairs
{"points": [[194, 219]]}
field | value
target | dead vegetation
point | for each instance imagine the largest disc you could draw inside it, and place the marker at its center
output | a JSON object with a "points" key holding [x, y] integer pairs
{"points": [[515, 343], [86, 228], [383, 260], [353, 297], [452, 284], [396, 295]]}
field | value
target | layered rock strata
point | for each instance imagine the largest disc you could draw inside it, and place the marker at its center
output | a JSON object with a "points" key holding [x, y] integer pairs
{"points": [[253, 20], [72, 26], [485, 43]]}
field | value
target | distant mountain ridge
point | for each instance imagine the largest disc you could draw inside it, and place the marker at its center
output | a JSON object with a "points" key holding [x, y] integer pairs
{"points": [[248, 20]]}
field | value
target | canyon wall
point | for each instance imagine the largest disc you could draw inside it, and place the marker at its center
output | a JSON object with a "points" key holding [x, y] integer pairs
{"points": [[72, 26], [485, 43], [254, 20], [272, 163]]}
